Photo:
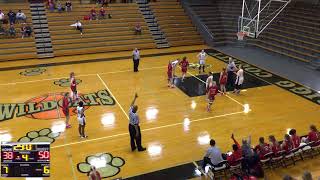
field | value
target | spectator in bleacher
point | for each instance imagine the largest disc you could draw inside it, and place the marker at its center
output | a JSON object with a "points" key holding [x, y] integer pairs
{"points": [[59, 7], [12, 31], [213, 155], [78, 26], [274, 145], [138, 29], [21, 16], [295, 138], [23, 31], [103, 13], [2, 30], [287, 144], [93, 14], [2, 17], [288, 177], [68, 6], [307, 176], [12, 17], [262, 148], [51, 5], [236, 154]]}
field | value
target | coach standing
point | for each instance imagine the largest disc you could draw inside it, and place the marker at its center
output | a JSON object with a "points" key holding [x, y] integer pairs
{"points": [[134, 128], [136, 59], [231, 68]]}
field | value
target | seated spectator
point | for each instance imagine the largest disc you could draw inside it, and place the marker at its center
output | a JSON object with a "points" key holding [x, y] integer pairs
{"points": [[23, 31], [138, 29], [68, 6], [2, 30], [78, 26], [102, 13], [21, 16], [28, 30], [213, 155], [12, 17], [307, 176], [295, 138], [236, 154], [288, 177], [287, 144], [2, 17], [274, 145], [314, 134], [51, 5], [59, 7], [262, 148], [12, 31], [93, 14]]}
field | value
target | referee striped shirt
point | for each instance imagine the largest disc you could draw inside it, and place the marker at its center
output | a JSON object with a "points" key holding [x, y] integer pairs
{"points": [[133, 117]]}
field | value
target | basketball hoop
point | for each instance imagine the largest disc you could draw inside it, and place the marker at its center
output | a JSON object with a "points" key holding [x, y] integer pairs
{"points": [[241, 35]]}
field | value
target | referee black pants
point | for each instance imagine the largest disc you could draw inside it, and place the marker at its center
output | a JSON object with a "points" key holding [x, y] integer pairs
{"points": [[230, 80], [135, 140], [136, 65]]}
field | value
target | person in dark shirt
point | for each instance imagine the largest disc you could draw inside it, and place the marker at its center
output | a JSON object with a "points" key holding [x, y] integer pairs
{"points": [[12, 17], [12, 31], [68, 6]]}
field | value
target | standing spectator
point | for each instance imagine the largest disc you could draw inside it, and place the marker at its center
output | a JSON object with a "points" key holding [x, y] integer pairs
{"points": [[68, 6], [2, 17], [262, 148], [59, 7], [93, 14], [78, 26], [236, 154], [21, 16], [231, 68], [134, 127], [12, 17], [12, 31], [136, 59], [239, 80], [274, 145], [94, 174], [295, 138], [138, 29], [287, 144], [213, 155], [223, 81], [51, 5]]}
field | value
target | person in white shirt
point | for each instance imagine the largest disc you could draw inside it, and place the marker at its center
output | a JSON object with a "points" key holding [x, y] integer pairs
{"points": [[209, 80], [239, 80], [78, 26], [81, 120], [174, 65], [202, 60], [2, 17], [136, 59], [213, 155], [20, 16]]}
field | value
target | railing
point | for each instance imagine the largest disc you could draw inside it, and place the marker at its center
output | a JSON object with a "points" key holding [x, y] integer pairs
{"points": [[201, 27]]}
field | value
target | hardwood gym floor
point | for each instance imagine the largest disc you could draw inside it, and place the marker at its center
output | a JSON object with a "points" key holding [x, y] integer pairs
{"points": [[175, 127]]}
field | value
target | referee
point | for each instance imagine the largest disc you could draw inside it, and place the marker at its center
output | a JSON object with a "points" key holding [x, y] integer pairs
{"points": [[134, 128]]}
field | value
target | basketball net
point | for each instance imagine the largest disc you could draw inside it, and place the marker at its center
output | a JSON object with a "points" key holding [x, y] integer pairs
{"points": [[241, 35]]}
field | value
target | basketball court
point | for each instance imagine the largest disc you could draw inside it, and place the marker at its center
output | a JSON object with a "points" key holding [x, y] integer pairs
{"points": [[176, 128]]}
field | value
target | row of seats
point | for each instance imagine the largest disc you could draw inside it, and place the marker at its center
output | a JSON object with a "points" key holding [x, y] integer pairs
{"points": [[174, 22], [17, 48], [106, 35]]}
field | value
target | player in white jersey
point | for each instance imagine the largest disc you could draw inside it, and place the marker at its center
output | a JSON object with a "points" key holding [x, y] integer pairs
{"points": [[202, 60], [174, 65], [239, 80], [81, 119]]}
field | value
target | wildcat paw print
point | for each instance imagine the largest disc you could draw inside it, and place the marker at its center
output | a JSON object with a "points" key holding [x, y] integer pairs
{"points": [[65, 82], [33, 72], [43, 135], [105, 163]]}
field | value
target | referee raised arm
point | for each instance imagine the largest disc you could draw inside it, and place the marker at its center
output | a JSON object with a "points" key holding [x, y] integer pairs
{"points": [[134, 128]]}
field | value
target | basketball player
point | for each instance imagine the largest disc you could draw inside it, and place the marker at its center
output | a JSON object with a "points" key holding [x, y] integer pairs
{"points": [[94, 174], [209, 80], [73, 87], [212, 92], [202, 60], [81, 120], [174, 65], [170, 75], [223, 80], [65, 109], [239, 80], [184, 67]]}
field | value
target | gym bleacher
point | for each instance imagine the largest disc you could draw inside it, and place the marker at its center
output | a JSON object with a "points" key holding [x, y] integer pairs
{"points": [[174, 22], [115, 34], [15, 47]]}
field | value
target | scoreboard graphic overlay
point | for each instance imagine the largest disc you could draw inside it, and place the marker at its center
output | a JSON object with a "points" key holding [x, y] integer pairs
{"points": [[25, 159]]}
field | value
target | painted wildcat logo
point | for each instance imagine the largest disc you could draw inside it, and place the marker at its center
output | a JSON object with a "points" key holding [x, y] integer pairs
{"points": [[49, 106]]}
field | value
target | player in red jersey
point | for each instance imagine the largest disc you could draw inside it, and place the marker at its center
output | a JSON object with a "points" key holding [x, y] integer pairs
{"points": [[223, 80], [212, 92], [184, 67], [170, 75], [73, 87], [65, 108]]}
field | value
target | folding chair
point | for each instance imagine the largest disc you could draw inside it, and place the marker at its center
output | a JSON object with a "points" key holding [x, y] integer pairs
{"points": [[220, 170], [316, 148], [289, 157], [277, 159], [266, 161], [236, 168]]}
